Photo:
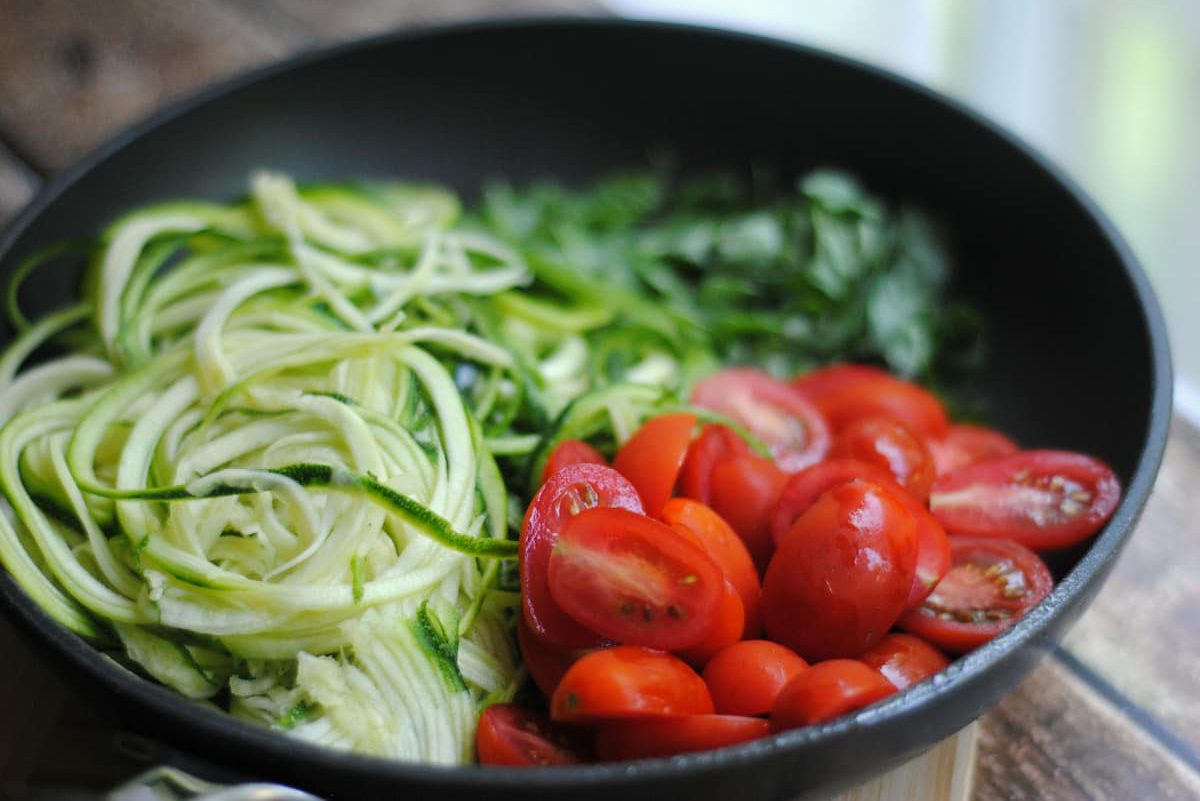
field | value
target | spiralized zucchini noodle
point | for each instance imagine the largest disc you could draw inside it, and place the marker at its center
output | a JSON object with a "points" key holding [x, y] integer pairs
{"points": [[276, 454]]}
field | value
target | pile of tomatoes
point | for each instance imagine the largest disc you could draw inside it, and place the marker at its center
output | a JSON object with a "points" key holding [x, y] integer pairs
{"points": [[699, 593]]}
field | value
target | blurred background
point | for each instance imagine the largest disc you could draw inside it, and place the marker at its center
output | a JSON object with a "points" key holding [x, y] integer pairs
{"points": [[1108, 89]]}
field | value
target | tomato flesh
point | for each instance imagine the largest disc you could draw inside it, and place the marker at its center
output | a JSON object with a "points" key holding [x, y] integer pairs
{"points": [[842, 574], [634, 580], [791, 427], [628, 682], [828, 690], [745, 490], [747, 677], [569, 491], [646, 739], [653, 457], [1042, 499], [892, 447], [904, 660], [516, 737], [993, 582], [966, 444], [846, 393], [725, 548]]}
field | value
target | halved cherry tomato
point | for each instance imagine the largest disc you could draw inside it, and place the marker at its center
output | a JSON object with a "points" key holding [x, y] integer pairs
{"points": [[1041, 499], [933, 551], [803, 488], [828, 690], [844, 393], [513, 736], [791, 427], [545, 663], [904, 660], [653, 457], [992, 583], [569, 491], [889, 445], [966, 444], [628, 682], [744, 491], [645, 739], [747, 677], [714, 443], [726, 549], [843, 574], [568, 452], [728, 623], [635, 580]]}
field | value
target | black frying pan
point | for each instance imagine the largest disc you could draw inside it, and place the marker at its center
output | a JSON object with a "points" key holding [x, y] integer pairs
{"points": [[1078, 351]]}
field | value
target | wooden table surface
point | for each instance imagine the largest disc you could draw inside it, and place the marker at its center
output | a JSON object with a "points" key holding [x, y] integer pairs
{"points": [[1112, 714]]}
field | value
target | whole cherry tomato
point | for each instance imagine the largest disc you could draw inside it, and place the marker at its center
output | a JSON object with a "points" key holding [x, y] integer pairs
{"points": [[628, 682], [904, 660], [568, 492], [747, 677], [826, 691], [843, 574], [889, 445]]}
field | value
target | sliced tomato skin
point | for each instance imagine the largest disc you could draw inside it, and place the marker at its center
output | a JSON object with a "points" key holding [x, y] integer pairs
{"points": [[747, 677], [653, 457], [546, 663], [569, 452], [516, 737], [646, 739], [573, 487], [904, 660], [828, 690], [714, 443], [629, 683], [842, 575], [942, 620], [891, 446], [726, 549], [933, 551], [1015, 497], [793, 430], [635, 580], [965, 444], [802, 489], [726, 628], [745, 490], [845, 393]]}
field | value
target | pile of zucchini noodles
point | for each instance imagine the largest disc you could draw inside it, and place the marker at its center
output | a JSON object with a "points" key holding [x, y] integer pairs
{"points": [[273, 466]]}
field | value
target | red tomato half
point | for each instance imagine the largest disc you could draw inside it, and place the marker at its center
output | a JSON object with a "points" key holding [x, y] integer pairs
{"points": [[627, 682], [828, 690], [513, 736], [744, 491], [568, 452], [568, 492], [1041, 499], [803, 488], [725, 548], [843, 574], [992, 583], [844, 393], [653, 457], [714, 444], [780, 416], [746, 677], [888, 445], [966, 444], [933, 551], [904, 660], [645, 739], [545, 663], [728, 623], [635, 580]]}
